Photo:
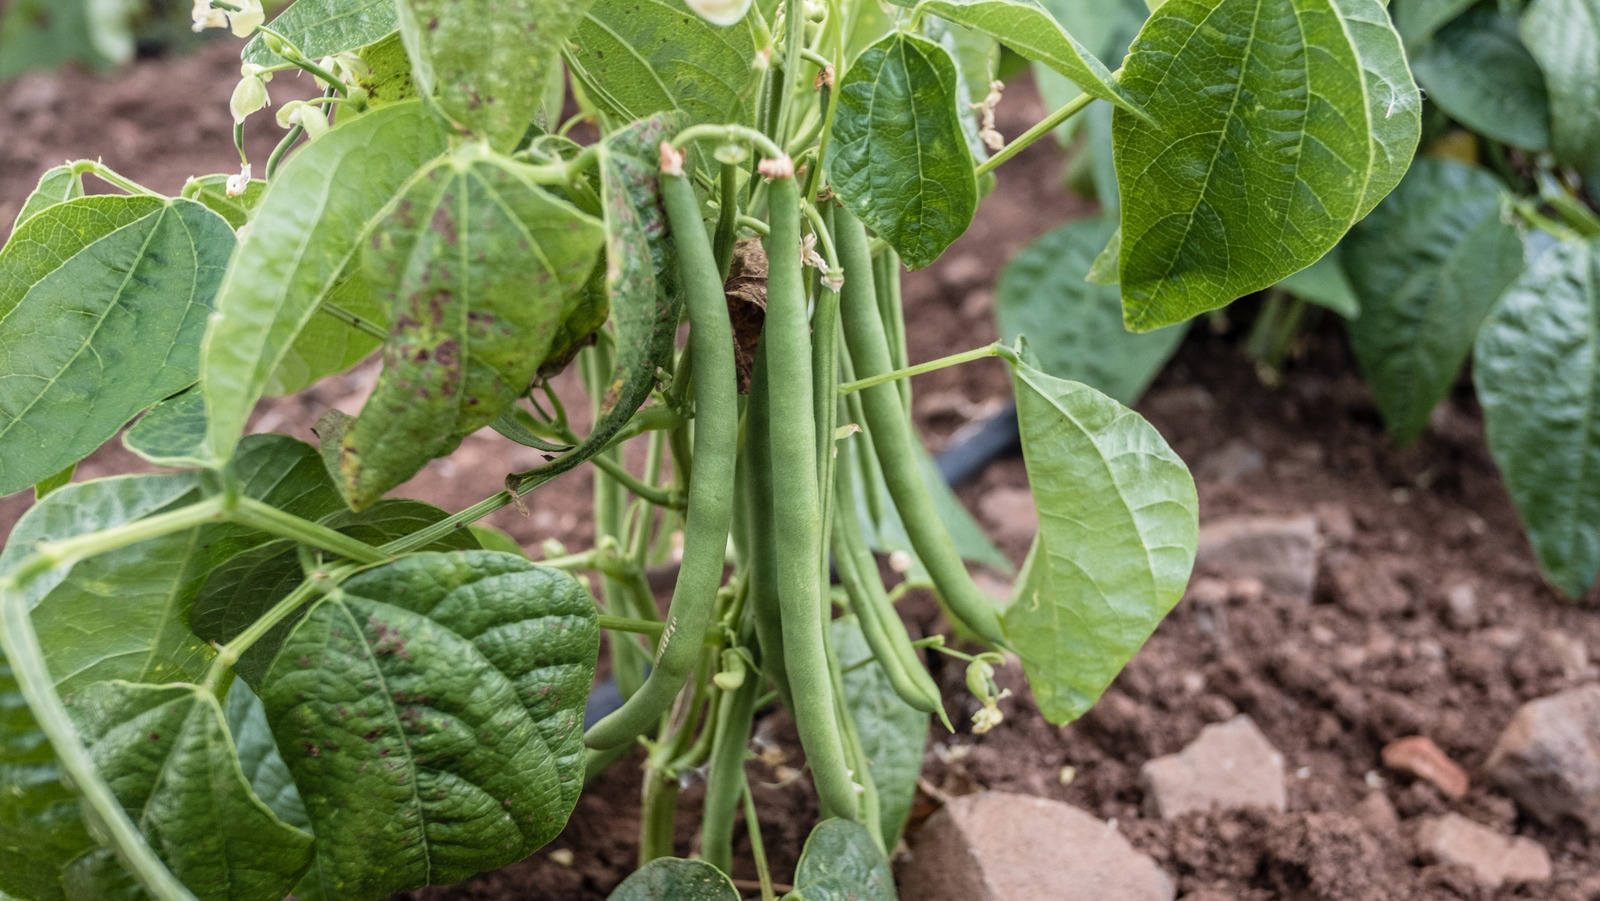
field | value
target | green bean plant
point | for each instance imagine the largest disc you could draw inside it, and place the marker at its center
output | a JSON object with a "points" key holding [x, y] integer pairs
{"points": [[1485, 252], [255, 673]]}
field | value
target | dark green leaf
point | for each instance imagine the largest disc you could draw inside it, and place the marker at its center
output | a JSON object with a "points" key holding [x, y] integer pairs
{"points": [[1418, 20], [1477, 70], [1537, 370], [259, 760], [899, 159], [842, 863], [486, 61], [1325, 284], [1428, 266], [424, 708], [59, 480], [474, 264], [325, 27], [166, 752], [1564, 36], [1075, 326], [582, 315], [1276, 125], [212, 192], [329, 343], [1118, 526], [102, 304], [893, 733], [41, 829], [300, 247], [636, 58], [1106, 35], [57, 185], [674, 879], [172, 433]]}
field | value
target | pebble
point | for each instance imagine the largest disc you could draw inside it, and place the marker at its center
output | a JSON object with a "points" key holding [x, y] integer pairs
{"points": [[1337, 522], [1461, 604], [1492, 858], [1419, 756], [1548, 758], [1231, 765], [1377, 813], [1280, 552], [1229, 464], [999, 846]]}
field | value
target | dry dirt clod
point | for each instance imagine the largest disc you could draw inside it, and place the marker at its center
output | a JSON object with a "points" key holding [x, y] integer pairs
{"points": [[1493, 859], [1230, 464], [1548, 758], [1231, 765], [998, 846], [1419, 756], [1280, 552]]}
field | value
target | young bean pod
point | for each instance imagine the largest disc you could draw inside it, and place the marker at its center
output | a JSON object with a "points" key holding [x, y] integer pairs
{"points": [[889, 424], [711, 483], [756, 483], [726, 777]]}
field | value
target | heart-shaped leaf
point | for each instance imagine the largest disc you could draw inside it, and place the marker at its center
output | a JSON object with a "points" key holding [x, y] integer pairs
{"points": [[41, 829], [1477, 70], [841, 862], [57, 185], [326, 27], [675, 879], [1564, 36]]}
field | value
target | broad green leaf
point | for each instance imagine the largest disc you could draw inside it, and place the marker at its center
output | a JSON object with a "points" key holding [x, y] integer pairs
{"points": [[1074, 326], [1275, 126], [172, 433], [242, 590], [426, 708], [166, 752], [640, 279], [330, 343], [1419, 20], [1428, 266], [1028, 28], [1118, 527], [1107, 35], [325, 27], [1564, 36], [899, 159], [1477, 70], [493, 539], [893, 733], [41, 829], [675, 879], [102, 303], [389, 77], [59, 480], [636, 58], [1537, 371], [474, 265], [1325, 284], [212, 192], [842, 863], [486, 61], [152, 584], [301, 245], [888, 534], [584, 313], [46, 34], [57, 185], [259, 760]]}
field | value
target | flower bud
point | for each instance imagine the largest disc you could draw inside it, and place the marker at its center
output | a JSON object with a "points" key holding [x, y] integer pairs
{"points": [[249, 96], [720, 12], [238, 183], [249, 17]]}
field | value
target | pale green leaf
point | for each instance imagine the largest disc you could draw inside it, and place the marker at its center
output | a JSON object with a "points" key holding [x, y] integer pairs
{"points": [[1477, 70], [102, 303], [259, 760], [1564, 36], [166, 752], [172, 433], [301, 245], [675, 879], [1325, 284], [212, 192], [57, 185], [59, 480], [421, 707], [1118, 527], [1428, 266], [1075, 326], [893, 733], [1537, 371], [325, 27], [899, 158], [841, 862], [1275, 126], [330, 343]]}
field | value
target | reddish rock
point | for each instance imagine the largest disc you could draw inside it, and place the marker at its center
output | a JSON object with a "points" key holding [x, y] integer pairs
{"points": [[1280, 552], [1493, 859], [1420, 757], [1548, 758], [998, 846], [1231, 765]]}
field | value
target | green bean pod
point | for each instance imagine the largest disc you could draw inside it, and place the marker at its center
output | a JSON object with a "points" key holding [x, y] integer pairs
{"points": [[797, 504], [756, 483], [726, 777], [889, 423], [711, 484]]}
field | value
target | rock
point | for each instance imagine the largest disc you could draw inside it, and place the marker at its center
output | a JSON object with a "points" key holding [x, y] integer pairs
{"points": [[1372, 587], [1419, 756], [1567, 652], [1461, 606], [1338, 523], [1230, 765], [1280, 552], [1229, 463], [1494, 859], [1377, 813], [1010, 513], [998, 846], [1548, 758]]}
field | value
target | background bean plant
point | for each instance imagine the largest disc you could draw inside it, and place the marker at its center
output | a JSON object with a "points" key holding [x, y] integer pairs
{"points": [[257, 673], [1486, 251]]}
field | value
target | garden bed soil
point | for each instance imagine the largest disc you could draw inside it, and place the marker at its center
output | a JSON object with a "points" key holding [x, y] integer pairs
{"points": [[1377, 653]]}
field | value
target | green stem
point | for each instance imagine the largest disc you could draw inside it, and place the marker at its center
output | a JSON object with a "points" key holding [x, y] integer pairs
{"points": [[991, 350], [267, 518], [298, 58], [730, 134], [282, 148], [100, 171], [669, 499], [635, 626], [360, 323], [50, 554], [229, 654], [758, 848], [1045, 126]]}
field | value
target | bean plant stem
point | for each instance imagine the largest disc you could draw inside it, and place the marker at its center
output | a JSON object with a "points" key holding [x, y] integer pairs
{"points": [[1046, 125], [758, 848], [267, 518], [104, 173], [979, 353]]}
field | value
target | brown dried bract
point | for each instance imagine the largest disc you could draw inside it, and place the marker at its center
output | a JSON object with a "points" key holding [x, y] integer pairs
{"points": [[746, 290]]}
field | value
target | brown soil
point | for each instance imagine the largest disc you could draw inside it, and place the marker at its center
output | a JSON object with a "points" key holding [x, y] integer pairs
{"points": [[1375, 656]]}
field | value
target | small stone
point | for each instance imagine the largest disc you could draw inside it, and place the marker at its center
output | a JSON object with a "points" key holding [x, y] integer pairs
{"points": [[1461, 603], [1010, 513], [1548, 758], [965, 271], [1337, 522], [1419, 756], [998, 846], [1229, 463], [1209, 591], [1566, 652], [1492, 858], [1377, 813], [1371, 587], [1231, 765], [1280, 552]]}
